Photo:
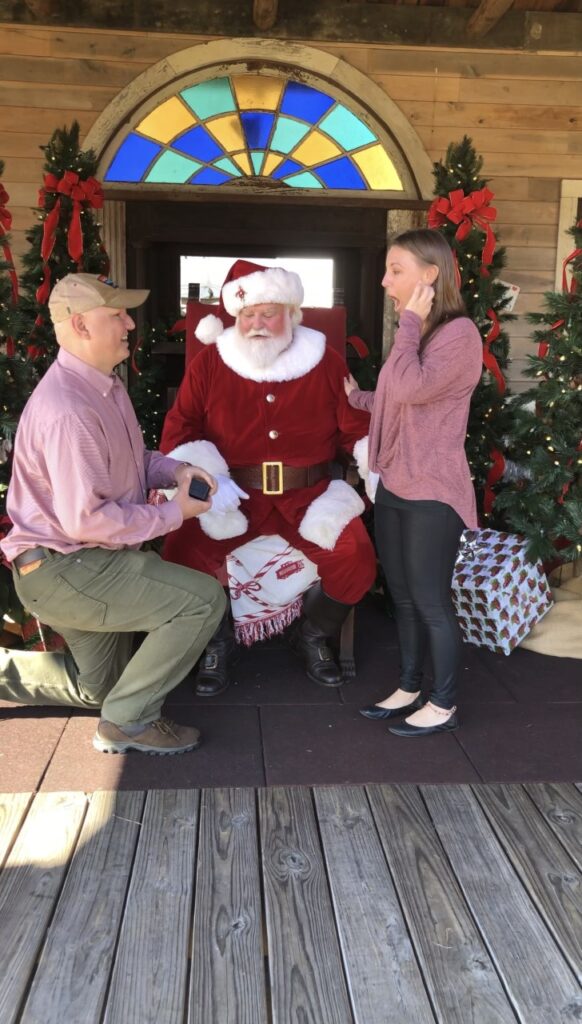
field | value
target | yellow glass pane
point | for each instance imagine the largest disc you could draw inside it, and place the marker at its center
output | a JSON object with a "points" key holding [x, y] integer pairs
{"points": [[243, 162], [377, 168], [256, 92], [273, 160], [166, 121], [227, 130], [315, 149]]}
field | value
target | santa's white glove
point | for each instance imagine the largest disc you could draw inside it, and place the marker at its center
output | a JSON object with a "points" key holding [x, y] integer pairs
{"points": [[371, 484], [228, 495]]}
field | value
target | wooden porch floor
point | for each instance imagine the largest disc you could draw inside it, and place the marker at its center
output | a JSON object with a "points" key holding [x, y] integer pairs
{"points": [[339, 905]]}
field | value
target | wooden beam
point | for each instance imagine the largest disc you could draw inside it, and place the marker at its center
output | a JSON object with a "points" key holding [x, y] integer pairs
{"points": [[488, 13], [265, 13]]}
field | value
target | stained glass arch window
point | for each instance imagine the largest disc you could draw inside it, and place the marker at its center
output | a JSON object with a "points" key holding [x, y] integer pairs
{"points": [[245, 128]]}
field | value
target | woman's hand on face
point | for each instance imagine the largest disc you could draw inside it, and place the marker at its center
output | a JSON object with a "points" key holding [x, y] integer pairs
{"points": [[421, 300], [350, 384]]}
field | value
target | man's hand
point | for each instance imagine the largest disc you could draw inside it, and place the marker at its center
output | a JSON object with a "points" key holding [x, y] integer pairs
{"points": [[350, 384], [191, 507], [421, 300]]}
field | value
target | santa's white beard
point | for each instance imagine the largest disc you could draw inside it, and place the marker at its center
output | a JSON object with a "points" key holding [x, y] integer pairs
{"points": [[261, 350]]}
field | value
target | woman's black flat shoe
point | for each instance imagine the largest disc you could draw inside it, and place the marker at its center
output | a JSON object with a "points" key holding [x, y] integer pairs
{"points": [[406, 729], [373, 711]]}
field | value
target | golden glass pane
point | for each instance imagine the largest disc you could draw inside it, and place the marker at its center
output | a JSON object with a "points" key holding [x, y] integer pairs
{"points": [[166, 121], [377, 168], [273, 160], [256, 92], [315, 150], [243, 162], [226, 130]]}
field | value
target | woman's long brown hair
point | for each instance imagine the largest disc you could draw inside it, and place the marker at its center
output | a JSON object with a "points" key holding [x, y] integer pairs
{"points": [[431, 248]]}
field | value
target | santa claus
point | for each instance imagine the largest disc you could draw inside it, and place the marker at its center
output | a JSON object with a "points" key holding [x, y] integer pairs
{"points": [[263, 408]]}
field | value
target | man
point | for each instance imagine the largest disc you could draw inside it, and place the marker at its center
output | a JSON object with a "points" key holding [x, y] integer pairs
{"points": [[266, 404], [77, 499]]}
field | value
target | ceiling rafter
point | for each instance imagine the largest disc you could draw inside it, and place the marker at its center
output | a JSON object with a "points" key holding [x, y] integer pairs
{"points": [[487, 14]]}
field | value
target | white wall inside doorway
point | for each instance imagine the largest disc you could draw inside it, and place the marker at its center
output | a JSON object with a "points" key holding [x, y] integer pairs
{"points": [[210, 271]]}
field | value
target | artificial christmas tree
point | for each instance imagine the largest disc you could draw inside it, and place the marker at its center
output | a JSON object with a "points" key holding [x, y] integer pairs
{"points": [[544, 499], [147, 381], [463, 213], [65, 240]]}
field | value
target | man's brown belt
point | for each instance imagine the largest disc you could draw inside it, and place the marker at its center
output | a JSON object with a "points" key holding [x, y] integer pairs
{"points": [[276, 478]]}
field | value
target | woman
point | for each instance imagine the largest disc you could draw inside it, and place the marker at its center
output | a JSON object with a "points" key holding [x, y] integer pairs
{"points": [[425, 497]]}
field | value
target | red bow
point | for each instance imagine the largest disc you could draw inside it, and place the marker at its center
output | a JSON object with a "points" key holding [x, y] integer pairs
{"points": [[468, 212], [87, 191], [493, 477], [489, 359], [5, 225], [244, 588]]}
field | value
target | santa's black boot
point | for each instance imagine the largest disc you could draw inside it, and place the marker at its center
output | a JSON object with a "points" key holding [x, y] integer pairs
{"points": [[213, 676], [323, 618]]}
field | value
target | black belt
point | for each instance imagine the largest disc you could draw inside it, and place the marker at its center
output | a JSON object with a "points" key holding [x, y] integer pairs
{"points": [[31, 555], [276, 478]]}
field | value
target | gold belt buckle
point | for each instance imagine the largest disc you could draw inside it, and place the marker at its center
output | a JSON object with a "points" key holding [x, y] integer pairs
{"points": [[279, 467]]}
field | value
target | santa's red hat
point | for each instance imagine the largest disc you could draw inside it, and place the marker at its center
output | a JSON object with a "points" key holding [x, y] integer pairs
{"points": [[248, 284]]}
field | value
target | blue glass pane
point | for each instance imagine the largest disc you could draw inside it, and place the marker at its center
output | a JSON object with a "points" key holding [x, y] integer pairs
{"points": [[304, 102], [208, 98], [209, 176], [287, 167], [257, 129], [340, 173], [287, 134], [347, 129], [199, 143], [132, 159]]}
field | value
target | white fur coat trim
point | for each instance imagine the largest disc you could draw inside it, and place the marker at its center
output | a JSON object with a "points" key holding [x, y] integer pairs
{"points": [[302, 355], [205, 454], [361, 457], [329, 514]]}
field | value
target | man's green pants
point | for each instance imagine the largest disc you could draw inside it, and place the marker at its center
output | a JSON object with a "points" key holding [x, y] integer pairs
{"points": [[97, 599]]}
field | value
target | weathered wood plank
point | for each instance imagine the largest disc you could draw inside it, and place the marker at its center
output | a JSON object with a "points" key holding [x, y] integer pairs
{"points": [[561, 806], [55, 97], [30, 883], [383, 976], [517, 939], [13, 807], [447, 944], [22, 119], [545, 869], [71, 979], [488, 13], [72, 72], [149, 978], [465, 116], [307, 980], [227, 983]]}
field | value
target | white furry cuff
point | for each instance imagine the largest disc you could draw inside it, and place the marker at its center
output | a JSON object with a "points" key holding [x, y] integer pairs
{"points": [[329, 514], [361, 456]]}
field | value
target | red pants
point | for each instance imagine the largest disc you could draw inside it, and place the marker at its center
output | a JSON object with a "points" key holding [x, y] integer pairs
{"points": [[346, 573]]}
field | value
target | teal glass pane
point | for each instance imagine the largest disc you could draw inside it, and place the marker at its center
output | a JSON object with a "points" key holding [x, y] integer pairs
{"points": [[304, 102], [132, 159], [341, 173], [171, 167], [257, 157], [227, 165], [287, 134], [257, 128], [306, 180], [208, 98], [347, 129]]}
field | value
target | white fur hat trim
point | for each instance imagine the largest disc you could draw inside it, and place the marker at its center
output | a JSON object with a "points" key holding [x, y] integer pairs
{"points": [[209, 329], [271, 285], [329, 514]]}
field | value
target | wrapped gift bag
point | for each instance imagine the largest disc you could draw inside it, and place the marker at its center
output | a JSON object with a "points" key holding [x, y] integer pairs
{"points": [[498, 593]]}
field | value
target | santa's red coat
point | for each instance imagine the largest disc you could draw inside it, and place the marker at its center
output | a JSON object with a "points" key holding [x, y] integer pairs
{"points": [[299, 418]]}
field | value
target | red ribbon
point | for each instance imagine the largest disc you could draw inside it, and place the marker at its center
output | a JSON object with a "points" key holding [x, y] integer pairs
{"points": [[5, 225], [489, 359], [79, 191], [544, 346], [571, 288], [493, 477], [468, 212]]}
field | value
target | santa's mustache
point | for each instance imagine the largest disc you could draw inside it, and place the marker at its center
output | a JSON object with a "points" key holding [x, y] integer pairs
{"points": [[260, 333]]}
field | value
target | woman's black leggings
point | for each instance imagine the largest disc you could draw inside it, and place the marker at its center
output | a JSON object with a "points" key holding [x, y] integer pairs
{"points": [[417, 544]]}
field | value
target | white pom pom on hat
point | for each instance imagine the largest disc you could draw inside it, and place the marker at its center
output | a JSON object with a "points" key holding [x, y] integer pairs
{"points": [[248, 284]]}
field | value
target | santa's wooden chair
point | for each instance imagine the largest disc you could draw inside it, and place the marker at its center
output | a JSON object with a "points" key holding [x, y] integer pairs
{"points": [[257, 570]]}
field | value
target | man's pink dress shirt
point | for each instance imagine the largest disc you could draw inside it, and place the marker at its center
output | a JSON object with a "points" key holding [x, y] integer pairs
{"points": [[81, 472], [419, 414]]}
